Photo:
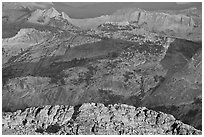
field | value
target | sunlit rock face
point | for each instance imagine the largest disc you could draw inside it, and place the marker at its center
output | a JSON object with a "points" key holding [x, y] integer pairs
{"points": [[172, 24], [93, 119]]}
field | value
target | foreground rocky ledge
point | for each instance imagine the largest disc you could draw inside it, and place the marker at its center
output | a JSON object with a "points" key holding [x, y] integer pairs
{"points": [[92, 118]]}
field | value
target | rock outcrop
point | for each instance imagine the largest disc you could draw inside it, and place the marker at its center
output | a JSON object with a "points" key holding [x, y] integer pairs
{"points": [[93, 119]]}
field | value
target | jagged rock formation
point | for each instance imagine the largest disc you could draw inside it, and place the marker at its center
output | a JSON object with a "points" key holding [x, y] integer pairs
{"points": [[87, 119]]}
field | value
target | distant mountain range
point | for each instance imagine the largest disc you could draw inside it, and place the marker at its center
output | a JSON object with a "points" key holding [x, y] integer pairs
{"points": [[185, 23]]}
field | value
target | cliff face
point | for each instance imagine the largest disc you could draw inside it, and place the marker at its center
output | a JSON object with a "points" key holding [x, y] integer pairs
{"points": [[93, 118], [178, 25]]}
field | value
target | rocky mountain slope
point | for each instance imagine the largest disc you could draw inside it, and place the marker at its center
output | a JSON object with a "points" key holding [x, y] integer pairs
{"points": [[66, 65], [93, 119], [51, 61], [181, 92], [60, 70]]}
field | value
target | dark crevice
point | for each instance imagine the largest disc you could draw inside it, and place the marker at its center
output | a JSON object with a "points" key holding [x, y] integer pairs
{"points": [[174, 128], [49, 110], [137, 114], [145, 111], [38, 111], [120, 132], [53, 128], [24, 122], [93, 128], [39, 130], [77, 130], [157, 118], [138, 17], [76, 111]]}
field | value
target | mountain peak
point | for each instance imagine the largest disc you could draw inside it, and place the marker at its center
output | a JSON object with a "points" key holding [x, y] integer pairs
{"points": [[43, 16], [51, 12]]}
